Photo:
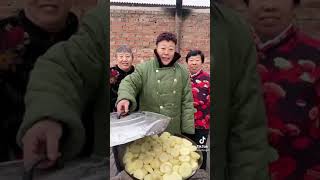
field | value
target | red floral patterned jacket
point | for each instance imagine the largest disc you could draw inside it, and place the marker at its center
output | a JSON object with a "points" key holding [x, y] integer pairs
{"points": [[290, 71], [201, 94]]}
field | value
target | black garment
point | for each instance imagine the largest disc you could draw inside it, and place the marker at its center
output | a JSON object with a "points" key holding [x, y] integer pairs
{"points": [[200, 137], [116, 76], [21, 43]]}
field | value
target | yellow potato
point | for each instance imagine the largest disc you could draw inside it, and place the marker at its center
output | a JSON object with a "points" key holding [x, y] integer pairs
{"points": [[178, 140], [139, 174], [145, 147], [130, 168], [155, 164], [127, 159], [178, 147], [185, 170], [166, 167], [155, 136], [186, 142], [158, 172], [184, 151], [165, 135], [194, 165], [173, 176], [148, 168], [151, 153], [174, 152], [156, 176], [138, 164], [184, 158], [135, 148], [176, 168], [164, 157], [175, 161], [192, 148], [148, 177], [158, 150], [147, 159], [195, 155]]}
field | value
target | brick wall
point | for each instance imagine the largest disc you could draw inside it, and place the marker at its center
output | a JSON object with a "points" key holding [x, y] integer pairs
{"points": [[8, 7], [139, 26], [307, 15]]}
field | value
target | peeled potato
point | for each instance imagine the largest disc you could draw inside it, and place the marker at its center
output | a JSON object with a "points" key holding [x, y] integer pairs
{"points": [[185, 170], [155, 164], [163, 157], [139, 174], [130, 168], [195, 155], [157, 150], [148, 177], [158, 172], [175, 168], [184, 158], [156, 177], [147, 159], [186, 142], [194, 165], [174, 152], [135, 148], [192, 148], [145, 147], [166, 167], [174, 176], [148, 168], [165, 135], [138, 164], [184, 151], [175, 161]]}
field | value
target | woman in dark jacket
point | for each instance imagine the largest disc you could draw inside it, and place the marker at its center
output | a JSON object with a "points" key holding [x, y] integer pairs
{"points": [[124, 67]]}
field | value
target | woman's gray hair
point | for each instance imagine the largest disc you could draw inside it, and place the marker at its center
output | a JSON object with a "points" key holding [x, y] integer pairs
{"points": [[124, 49]]}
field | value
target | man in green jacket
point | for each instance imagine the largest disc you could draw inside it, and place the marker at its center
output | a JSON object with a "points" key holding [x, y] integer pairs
{"points": [[67, 99], [163, 86]]}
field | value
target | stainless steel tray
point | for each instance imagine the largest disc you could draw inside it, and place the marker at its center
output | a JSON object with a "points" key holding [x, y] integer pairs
{"points": [[135, 126]]}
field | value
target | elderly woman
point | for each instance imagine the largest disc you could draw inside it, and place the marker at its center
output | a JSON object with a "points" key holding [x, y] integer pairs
{"points": [[289, 69], [124, 67], [163, 86]]}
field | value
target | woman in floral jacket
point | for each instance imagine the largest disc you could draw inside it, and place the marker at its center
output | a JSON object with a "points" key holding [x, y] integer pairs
{"points": [[290, 73], [200, 82]]}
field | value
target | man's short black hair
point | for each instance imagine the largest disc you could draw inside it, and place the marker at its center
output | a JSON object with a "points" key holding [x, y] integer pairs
{"points": [[167, 36], [296, 2], [195, 53]]}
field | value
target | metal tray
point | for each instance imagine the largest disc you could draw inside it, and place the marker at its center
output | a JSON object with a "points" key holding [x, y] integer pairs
{"points": [[135, 126]]}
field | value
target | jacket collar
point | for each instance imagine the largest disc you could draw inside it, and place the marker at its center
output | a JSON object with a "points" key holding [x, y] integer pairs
{"points": [[282, 37], [196, 74], [124, 72], [176, 57]]}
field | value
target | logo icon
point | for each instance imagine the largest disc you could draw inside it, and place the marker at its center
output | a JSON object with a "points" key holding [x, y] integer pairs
{"points": [[201, 141]]}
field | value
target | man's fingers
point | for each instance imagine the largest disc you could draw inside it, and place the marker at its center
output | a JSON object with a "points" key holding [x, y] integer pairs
{"points": [[126, 107], [30, 148], [53, 145]]}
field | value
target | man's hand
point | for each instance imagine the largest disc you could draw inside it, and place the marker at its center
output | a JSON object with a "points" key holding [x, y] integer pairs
{"points": [[42, 140], [123, 107]]}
